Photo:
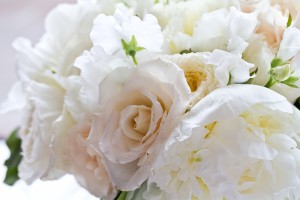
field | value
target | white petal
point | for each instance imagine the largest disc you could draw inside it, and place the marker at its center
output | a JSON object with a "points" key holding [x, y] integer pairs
{"points": [[16, 99], [227, 64], [241, 27], [290, 44], [222, 103], [147, 32], [106, 33]]}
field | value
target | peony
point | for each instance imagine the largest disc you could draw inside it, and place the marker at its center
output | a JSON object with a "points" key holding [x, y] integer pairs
{"points": [[239, 142], [139, 106]]}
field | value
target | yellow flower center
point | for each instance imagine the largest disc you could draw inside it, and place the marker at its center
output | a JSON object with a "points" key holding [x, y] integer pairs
{"points": [[194, 78]]}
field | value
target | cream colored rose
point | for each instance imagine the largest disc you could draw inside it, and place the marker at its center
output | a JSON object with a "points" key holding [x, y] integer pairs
{"points": [[139, 108], [199, 75], [87, 164]]}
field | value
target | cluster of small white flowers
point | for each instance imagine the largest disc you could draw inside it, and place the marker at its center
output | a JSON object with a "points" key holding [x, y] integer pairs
{"points": [[193, 98]]}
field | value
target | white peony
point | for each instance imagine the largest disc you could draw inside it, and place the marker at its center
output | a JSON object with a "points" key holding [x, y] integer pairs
{"points": [[239, 142], [139, 106]]}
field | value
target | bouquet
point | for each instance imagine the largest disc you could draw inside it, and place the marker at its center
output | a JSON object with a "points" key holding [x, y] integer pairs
{"points": [[162, 99]]}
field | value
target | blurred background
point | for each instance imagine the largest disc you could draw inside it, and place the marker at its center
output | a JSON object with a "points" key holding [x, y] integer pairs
{"points": [[26, 19], [18, 19]]}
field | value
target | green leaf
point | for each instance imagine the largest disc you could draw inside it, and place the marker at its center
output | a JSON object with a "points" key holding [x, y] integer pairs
{"points": [[131, 48], [12, 163], [289, 22], [290, 81], [276, 62]]}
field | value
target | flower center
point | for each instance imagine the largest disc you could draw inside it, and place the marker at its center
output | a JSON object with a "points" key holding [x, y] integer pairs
{"points": [[194, 78], [142, 120]]}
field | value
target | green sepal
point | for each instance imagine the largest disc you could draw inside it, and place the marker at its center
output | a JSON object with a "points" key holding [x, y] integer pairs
{"points": [[14, 144], [131, 48], [290, 81], [277, 62], [289, 22]]}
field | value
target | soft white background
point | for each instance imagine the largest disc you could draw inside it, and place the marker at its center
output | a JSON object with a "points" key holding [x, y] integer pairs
{"points": [[18, 18], [25, 18]]}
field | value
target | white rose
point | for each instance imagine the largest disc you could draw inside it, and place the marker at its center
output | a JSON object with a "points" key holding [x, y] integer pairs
{"points": [[199, 75], [81, 160], [138, 109], [239, 142], [205, 72], [72, 152]]}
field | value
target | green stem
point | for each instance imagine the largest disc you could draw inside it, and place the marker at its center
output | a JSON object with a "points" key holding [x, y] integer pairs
{"points": [[270, 83], [134, 59]]}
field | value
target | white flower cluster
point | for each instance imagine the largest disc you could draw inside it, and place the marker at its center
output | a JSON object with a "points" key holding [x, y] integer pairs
{"points": [[164, 99]]}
